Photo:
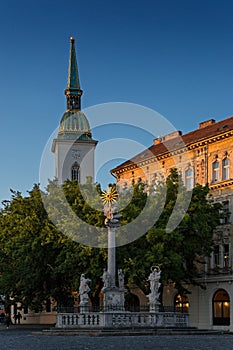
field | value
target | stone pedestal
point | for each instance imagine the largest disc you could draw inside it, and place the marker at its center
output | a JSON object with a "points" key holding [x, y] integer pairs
{"points": [[114, 299], [154, 307], [84, 307]]}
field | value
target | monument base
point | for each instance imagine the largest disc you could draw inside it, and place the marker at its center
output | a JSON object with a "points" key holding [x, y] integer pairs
{"points": [[114, 299], [84, 307], [154, 307]]}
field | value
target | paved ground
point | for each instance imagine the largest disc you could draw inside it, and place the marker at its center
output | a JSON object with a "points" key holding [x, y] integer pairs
{"points": [[17, 338]]}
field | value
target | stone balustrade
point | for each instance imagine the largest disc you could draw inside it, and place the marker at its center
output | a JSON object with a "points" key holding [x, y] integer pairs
{"points": [[122, 320]]}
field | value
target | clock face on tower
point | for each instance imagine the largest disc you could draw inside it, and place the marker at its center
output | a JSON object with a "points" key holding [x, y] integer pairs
{"points": [[76, 154]]}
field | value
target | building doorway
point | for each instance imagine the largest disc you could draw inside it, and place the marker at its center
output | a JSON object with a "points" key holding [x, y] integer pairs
{"points": [[221, 308]]}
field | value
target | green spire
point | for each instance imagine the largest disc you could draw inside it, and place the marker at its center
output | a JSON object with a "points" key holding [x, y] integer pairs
{"points": [[73, 91]]}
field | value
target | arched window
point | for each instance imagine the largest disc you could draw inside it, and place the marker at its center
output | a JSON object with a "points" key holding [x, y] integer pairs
{"points": [[225, 169], [189, 179], [221, 308], [181, 303], [75, 172], [216, 171]]}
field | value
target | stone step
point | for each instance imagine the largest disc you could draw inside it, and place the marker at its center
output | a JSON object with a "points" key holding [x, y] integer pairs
{"points": [[126, 332]]}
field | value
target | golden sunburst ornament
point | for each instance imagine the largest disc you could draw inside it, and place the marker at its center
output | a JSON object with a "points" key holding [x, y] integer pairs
{"points": [[110, 196]]}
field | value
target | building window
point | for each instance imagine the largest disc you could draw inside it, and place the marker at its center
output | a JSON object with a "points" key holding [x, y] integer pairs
{"points": [[225, 213], [216, 256], [226, 255], [189, 179], [225, 169], [221, 308], [75, 172], [221, 256], [216, 171], [181, 303]]}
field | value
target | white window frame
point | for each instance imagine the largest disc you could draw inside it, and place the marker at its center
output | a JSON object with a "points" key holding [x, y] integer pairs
{"points": [[189, 178], [216, 171], [226, 169]]}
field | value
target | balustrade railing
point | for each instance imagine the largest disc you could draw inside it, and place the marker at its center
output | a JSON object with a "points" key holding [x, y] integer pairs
{"points": [[98, 308], [122, 319]]}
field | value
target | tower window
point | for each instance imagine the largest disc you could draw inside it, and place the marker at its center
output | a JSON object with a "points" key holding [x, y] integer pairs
{"points": [[75, 172]]}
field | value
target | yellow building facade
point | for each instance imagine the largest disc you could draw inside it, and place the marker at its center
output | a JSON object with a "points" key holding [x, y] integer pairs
{"points": [[202, 156]]}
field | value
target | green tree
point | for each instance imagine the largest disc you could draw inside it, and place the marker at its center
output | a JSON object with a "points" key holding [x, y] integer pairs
{"points": [[180, 252], [36, 260], [180, 238]]}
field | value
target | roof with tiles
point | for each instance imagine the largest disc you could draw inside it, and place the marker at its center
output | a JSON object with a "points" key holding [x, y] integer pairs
{"points": [[176, 141]]}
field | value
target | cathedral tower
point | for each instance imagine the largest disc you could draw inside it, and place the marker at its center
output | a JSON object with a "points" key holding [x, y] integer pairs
{"points": [[74, 147]]}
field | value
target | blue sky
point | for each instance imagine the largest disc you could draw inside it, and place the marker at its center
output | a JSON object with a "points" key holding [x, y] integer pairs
{"points": [[175, 57]]}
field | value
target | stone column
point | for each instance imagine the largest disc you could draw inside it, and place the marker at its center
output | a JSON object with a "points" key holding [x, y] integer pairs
{"points": [[113, 295], [112, 255]]}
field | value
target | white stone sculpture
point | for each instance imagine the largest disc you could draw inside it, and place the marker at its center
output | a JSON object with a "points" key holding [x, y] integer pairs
{"points": [[154, 278], [84, 289], [106, 279], [120, 278]]}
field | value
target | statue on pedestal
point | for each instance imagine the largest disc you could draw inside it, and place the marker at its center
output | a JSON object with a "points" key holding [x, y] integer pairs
{"points": [[120, 278], [106, 279], [84, 289], [114, 298], [154, 278]]}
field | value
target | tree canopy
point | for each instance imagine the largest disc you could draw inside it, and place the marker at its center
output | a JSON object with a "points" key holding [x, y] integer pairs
{"points": [[37, 261], [180, 253]]}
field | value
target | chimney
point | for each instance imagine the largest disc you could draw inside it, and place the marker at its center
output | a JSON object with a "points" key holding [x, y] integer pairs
{"points": [[206, 123], [157, 141]]}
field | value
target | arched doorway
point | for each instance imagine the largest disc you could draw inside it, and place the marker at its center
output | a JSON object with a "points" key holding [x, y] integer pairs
{"points": [[181, 303], [221, 308], [132, 302]]}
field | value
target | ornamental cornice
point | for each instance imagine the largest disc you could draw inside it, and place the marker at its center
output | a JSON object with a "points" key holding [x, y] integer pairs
{"points": [[221, 184], [168, 154], [212, 139]]}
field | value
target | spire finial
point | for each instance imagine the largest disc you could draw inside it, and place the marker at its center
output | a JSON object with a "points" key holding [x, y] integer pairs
{"points": [[73, 91]]}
